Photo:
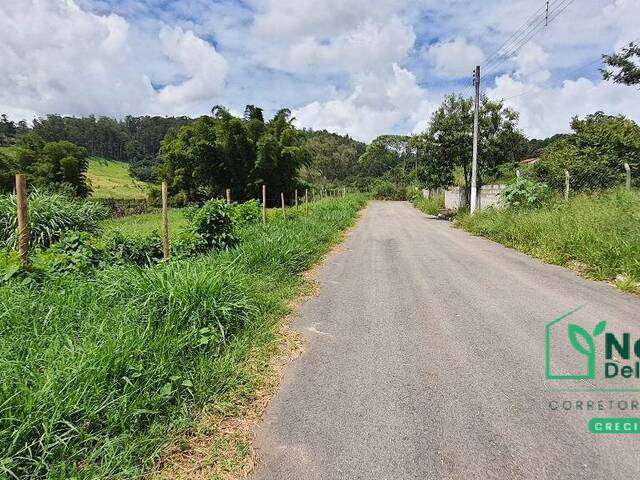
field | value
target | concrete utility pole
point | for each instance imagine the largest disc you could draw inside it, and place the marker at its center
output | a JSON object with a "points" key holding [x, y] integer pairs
{"points": [[474, 161]]}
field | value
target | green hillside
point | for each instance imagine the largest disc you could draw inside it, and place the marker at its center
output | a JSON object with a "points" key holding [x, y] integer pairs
{"points": [[110, 179]]}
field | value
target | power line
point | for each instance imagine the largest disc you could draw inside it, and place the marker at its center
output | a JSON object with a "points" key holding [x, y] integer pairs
{"points": [[538, 20], [556, 9]]}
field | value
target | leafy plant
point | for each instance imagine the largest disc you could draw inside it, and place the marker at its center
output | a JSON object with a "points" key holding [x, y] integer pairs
{"points": [[524, 193], [213, 223], [247, 213], [141, 251], [50, 216]]}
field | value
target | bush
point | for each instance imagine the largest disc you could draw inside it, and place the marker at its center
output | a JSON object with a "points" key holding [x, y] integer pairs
{"points": [[247, 213], [141, 251], [428, 205], [50, 216], [213, 223], [594, 155], [75, 252], [387, 190], [524, 193]]}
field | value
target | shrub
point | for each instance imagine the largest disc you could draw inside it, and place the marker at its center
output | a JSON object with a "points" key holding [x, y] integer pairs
{"points": [[594, 155], [75, 252], [429, 205], [387, 190], [523, 192], [141, 251], [213, 223], [50, 216], [246, 213]]}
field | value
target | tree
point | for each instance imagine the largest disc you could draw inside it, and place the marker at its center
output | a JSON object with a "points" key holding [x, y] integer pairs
{"points": [[7, 130], [222, 151], [333, 157], [8, 170], [383, 154], [594, 154], [446, 146], [625, 70]]}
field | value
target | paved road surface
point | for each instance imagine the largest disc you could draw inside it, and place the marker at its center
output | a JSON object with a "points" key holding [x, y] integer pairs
{"points": [[425, 359]]}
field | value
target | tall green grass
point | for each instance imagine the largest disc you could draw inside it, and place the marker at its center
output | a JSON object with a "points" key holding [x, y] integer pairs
{"points": [[601, 232], [50, 215], [98, 375], [428, 205]]}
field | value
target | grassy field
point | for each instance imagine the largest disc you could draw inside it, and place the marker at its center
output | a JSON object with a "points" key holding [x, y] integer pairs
{"points": [[144, 224], [110, 179], [598, 235], [100, 375]]}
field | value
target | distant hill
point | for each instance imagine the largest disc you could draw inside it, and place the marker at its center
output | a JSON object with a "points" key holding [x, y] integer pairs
{"points": [[111, 179]]}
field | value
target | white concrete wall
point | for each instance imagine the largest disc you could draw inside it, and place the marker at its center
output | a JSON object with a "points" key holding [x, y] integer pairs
{"points": [[489, 195]]}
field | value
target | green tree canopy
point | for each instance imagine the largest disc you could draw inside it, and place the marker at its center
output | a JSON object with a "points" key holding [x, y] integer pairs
{"points": [[623, 67], [53, 166], [222, 151], [334, 157], [594, 154], [447, 143]]}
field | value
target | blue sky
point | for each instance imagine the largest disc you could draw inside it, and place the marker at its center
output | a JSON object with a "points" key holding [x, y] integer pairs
{"points": [[358, 67]]}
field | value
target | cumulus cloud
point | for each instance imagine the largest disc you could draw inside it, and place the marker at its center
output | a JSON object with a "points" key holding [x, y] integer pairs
{"points": [[205, 67], [377, 104], [369, 46], [545, 111], [357, 67], [455, 58], [57, 57]]}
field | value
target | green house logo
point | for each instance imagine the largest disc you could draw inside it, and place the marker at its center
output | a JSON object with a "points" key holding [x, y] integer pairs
{"points": [[582, 342]]}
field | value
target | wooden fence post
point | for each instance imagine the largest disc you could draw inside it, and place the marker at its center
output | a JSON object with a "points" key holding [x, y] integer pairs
{"points": [[567, 179], [23, 222], [284, 211], [296, 198], [165, 221], [264, 204], [306, 202], [228, 196], [628, 169]]}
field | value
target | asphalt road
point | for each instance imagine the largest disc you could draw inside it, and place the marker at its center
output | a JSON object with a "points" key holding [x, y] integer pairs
{"points": [[425, 358]]}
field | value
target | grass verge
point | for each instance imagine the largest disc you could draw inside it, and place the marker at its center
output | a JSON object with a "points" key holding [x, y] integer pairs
{"points": [[597, 235], [105, 377], [429, 206]]}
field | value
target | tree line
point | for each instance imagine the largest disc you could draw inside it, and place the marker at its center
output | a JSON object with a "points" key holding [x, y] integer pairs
{"points": [[135, 140]]}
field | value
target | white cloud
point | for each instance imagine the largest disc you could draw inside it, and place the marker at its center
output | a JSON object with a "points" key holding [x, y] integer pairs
{"points": [[205, 67], [455, 58], [57, 57], [377, 104], [355, 66], [368, 47], [545, 111], [531, 63]]}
